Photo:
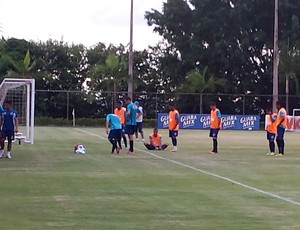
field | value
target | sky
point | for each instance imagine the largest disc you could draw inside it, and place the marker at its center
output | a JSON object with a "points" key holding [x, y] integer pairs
{"points": [[78, 21]]}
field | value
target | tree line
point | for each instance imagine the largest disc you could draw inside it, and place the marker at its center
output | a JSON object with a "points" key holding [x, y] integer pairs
{"points": [[220, 49]]}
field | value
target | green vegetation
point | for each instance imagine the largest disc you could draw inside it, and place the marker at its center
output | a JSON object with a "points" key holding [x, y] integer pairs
{"points": [[210, 50], [46, 186]]}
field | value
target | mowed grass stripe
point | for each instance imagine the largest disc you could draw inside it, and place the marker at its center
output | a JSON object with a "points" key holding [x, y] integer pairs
{"points": [[46, 186], [208, 173]]}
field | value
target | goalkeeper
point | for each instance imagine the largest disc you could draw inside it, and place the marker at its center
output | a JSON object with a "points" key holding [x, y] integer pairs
{"points": [[155, 141]]}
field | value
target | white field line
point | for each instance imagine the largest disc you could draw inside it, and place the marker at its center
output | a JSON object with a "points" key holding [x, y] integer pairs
{"points": [[209, 173]]}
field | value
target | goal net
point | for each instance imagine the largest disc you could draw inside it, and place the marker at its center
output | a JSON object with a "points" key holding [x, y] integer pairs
{"points": [[21, 92], [296, 120]]}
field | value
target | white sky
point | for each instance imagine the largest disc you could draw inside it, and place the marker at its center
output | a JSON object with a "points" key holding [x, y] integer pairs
{"points": [[78, 21]]}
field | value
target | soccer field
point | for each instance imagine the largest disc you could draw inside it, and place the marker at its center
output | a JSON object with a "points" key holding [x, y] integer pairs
{"points": [[46, 186]]}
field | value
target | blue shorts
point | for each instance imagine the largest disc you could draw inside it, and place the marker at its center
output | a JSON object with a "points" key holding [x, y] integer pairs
{"points": [[280, 132], [271, 136], [173, 133], [115, 134], [9, 134], [130, 129], [139, 127], [214, 132], [123, 129]]}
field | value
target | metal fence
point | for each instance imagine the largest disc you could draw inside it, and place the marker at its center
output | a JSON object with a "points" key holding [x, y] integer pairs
{"points": [[60, 104]]}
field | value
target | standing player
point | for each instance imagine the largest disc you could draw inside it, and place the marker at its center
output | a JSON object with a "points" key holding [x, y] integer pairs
{"points": [[114, 135], [271, 130], [281, 123], [215, 125], [131, 113], [139, 122], [9, 126], [120, 111], [173, 125]]}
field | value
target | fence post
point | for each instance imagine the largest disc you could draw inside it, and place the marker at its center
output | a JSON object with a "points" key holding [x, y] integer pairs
{"points": [[244, 104], [201, 103], [68, 107]]}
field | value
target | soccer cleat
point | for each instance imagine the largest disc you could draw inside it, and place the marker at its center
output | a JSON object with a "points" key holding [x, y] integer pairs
{"points": [[271, 154], [8, 156], [126, 147], [143, 140], [129, 152], [137, 140], [279, 155], [212, 152], [173, 150]]}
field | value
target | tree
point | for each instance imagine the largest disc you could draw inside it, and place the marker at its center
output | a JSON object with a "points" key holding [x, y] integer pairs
{"points": [[224, 35], [288, 62], [21, 68], [110, 75], [199, 82]]}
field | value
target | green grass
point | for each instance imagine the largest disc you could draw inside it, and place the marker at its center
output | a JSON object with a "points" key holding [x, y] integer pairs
{"points": [[46, 186]]}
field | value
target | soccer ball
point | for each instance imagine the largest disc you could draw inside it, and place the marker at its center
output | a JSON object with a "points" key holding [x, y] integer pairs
{"points": [[79, 149]]}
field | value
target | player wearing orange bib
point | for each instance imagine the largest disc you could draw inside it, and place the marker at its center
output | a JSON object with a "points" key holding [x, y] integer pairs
{"points": [[281, 123], [173, 125], [215, 125], [155, 141], [271, 129], [120, 111]]}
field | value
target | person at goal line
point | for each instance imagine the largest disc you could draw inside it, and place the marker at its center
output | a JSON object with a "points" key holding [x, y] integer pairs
{"points": [[9, 126]]}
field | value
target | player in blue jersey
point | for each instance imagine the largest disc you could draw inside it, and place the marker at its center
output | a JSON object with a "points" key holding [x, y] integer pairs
{"points": [[132, 112], [113, 124], [9, 126]]}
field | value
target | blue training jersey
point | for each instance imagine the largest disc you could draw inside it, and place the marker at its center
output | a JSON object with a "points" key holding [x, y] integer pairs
{"points": [[114, 121], [8, 119], [131, 113], [219, 114]]}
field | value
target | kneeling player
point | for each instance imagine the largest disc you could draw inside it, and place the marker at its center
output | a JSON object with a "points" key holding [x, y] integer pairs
{"points": [[114, 135]]}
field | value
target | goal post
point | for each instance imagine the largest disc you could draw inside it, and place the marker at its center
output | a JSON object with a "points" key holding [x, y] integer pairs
{"points": [[22, 94]]}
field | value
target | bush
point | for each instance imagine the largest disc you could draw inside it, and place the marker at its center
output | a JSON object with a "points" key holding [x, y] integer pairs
{"points": [[88, 122]]}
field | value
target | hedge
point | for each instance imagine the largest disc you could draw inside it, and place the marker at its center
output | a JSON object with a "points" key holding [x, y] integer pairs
{"points": [[80, 122]]}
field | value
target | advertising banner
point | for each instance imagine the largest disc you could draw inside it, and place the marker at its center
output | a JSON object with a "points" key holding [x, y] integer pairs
{"points": [[291, 124], [202, 121]]}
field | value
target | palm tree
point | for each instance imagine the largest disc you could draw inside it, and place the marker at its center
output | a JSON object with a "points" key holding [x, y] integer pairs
{"points": [[198, 82], [289, 58], [108, 75], [20, 68]]}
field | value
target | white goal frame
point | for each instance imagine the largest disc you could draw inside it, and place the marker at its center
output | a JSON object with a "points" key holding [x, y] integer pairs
{"points": [[12, 83], [295, 118]]}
